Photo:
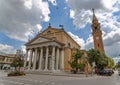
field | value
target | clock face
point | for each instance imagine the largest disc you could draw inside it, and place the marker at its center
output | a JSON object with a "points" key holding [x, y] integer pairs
{"points": [[97, 38]]}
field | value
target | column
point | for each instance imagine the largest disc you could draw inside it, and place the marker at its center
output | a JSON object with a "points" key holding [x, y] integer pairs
{"points": [[41, 58], [46, 60], [35, 59], [57, 58], [30, 59], [25, 62], [62, 60], [53, 57]]}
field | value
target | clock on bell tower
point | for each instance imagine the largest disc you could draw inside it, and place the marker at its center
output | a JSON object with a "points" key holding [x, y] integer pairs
{"points": [[97, 34]]}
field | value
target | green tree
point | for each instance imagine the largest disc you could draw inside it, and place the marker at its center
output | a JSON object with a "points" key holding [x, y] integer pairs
{"points": [[111, 63], [93, 56], [74, 61], [17, 62], [100, 59], [118, 65]]}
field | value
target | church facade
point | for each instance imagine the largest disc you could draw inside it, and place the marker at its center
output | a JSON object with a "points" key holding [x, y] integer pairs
{"points": [[50, 50]]}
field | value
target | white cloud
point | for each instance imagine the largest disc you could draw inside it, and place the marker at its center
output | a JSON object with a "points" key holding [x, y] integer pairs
{"points": [[89, 43], [23, 48], [106, 12], [4, 48], [81, 12], [80, 41], [72, 14], [111, 42], [54, 2], [19, 17], [28, 4]]}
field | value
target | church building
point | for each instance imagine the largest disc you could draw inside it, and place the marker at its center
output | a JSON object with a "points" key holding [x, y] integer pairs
{"points": [[50, 50]]}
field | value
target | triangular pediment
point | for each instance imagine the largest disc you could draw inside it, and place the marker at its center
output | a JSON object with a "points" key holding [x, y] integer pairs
{"points": [[49, 31], [39, 40]]}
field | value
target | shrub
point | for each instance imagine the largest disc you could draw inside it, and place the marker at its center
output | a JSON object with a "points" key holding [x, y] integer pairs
{"points": [[16, 73]]}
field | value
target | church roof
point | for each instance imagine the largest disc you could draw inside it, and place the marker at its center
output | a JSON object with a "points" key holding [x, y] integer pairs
{"points": [[51, 39]]}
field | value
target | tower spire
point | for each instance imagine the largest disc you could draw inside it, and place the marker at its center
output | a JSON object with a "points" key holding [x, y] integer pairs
{"points": [[94, 17]]}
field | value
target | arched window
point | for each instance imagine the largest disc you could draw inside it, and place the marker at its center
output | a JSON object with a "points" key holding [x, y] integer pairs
{"points": [[98, 45], [69, 45]]}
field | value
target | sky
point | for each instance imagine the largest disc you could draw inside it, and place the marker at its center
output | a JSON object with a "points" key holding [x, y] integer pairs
{"points": [[21, 20]]}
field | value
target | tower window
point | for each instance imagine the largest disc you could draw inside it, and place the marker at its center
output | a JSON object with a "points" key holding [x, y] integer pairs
{"points": [[96, 29], [98, 45]]}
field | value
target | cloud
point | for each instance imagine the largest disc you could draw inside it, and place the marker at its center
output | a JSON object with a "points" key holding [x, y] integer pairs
{"points": [[80, 12], [23, 48], [80, 41], [116, 59], [54, 2], [111, 42], [107, 13], [4, 48], [19, 17], [89, 43]]}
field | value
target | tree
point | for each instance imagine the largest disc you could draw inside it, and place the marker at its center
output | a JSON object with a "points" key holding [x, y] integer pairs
{"points": [[74, 61], [118, 64], [101, 60], [17, 62], [85, 62], [93, 56]]}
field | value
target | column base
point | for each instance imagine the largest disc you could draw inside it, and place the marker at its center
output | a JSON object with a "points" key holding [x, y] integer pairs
{"points": [[45, 69]]}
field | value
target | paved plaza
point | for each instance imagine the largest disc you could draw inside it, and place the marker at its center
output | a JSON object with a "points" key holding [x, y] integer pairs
{"points": [[34, 79]]}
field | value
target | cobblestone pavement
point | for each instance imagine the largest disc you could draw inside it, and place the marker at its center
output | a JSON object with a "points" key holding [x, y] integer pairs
{"points": [[32, 79]]}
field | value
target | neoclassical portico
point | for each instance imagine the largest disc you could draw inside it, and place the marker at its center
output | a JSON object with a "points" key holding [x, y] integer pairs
{"points": [[47, 56], [50, 50]]}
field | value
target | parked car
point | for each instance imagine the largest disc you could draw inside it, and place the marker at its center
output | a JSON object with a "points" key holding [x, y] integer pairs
{"points": [[73, 71], [107, 72], [119, 71]]}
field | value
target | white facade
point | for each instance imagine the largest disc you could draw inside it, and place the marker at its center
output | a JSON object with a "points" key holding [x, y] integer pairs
{"points": [[44, 54]]}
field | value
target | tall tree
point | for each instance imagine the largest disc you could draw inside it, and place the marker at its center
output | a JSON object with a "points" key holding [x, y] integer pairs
{"points": [[74, 61], [101, 60], [17, 62]]}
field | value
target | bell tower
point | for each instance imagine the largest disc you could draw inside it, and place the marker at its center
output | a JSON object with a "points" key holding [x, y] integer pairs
{"points": [[97, 34]]}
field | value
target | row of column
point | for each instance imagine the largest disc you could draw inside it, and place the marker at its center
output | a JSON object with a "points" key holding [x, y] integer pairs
{"points": [[58, 55]]}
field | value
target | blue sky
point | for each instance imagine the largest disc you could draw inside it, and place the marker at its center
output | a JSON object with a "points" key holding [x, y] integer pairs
{"points": [[21, 20]]}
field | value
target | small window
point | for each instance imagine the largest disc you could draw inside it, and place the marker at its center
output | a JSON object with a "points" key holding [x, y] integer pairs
{"points": [[96, 29], [49, 31], [69, 45], [98, 45]]}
